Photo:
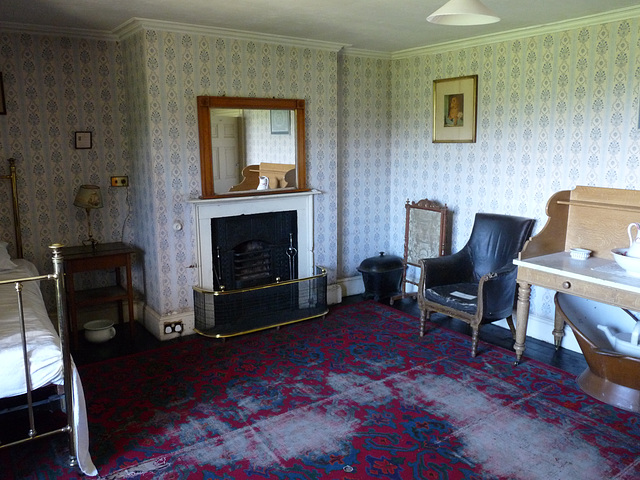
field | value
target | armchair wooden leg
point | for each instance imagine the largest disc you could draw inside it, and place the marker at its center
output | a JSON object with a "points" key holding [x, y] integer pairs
{"points": [[474, 339], [512, 327], [424, 316]]}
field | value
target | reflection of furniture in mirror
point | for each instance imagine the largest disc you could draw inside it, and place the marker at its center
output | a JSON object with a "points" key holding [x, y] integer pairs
{"points": [[280, 175], [244, 143], [425, 237]]}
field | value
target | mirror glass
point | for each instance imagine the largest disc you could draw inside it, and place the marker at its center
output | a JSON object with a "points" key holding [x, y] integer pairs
{"points": [[251, 146]]}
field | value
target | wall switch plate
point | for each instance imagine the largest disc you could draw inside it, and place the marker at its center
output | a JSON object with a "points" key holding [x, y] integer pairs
{"points": [[120, 181]]}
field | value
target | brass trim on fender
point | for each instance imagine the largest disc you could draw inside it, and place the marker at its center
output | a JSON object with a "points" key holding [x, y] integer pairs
{"points": [[261, 328], [323, 273]]}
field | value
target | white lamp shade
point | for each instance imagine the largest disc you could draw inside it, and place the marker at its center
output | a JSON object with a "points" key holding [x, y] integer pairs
{"points": [[463, 12], [88, 197]]}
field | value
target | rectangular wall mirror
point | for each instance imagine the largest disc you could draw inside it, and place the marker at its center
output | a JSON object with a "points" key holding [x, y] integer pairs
{"points": [[251, 146]]}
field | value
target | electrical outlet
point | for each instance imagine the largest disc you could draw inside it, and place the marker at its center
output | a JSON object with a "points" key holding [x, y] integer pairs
{"points": [[173, 327], [120, 181]]}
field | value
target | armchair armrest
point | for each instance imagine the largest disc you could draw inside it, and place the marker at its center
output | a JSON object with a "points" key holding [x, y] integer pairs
{"points": [[497, 290], [445, 270]]}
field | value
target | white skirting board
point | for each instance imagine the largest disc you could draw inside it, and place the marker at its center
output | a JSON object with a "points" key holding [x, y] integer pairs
{"points": [[351, 285], [334, 294]]}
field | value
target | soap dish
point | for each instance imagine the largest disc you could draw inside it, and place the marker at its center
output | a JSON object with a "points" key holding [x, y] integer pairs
{"points": [[580, 253]]}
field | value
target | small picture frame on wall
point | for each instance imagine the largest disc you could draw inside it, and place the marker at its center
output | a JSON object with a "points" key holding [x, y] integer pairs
{"points": [[455, 109], [280, 122], [83, 140], [3, 104]]}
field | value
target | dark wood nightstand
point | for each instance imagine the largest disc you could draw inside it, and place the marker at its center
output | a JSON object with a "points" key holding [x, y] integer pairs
{"points": [[104, 256]]}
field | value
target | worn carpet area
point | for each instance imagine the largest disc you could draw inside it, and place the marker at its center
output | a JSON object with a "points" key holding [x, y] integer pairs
{"points": [[353, 396]]}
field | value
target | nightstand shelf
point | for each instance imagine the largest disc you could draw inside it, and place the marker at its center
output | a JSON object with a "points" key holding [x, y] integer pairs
{"points": [[97, 296], [105, 256]]}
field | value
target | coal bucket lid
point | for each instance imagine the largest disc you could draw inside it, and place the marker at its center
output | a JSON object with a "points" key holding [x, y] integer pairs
{"points": [[380, 264]]}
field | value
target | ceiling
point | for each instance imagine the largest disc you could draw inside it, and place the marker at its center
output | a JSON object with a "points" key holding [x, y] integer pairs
{"points": [[375, 25]]}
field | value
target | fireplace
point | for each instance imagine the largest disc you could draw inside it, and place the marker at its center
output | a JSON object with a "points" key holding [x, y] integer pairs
{"points": [[255, 263]]}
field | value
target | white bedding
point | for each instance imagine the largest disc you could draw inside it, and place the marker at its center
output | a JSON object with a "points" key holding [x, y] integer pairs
{"points": [[44, 352]]}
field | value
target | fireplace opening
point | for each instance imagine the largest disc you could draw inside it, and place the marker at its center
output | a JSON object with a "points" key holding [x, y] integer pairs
{"points": [[252, 263], [254, 250]]}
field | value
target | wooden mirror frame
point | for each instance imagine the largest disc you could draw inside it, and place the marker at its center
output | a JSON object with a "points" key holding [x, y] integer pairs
{"points": [[204, 132]]}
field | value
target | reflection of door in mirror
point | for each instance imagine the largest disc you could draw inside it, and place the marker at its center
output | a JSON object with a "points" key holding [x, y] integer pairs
{"points": [[226, 147]]}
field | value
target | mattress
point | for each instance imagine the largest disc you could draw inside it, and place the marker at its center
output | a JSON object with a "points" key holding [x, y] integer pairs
{"points": [[44, 353]]}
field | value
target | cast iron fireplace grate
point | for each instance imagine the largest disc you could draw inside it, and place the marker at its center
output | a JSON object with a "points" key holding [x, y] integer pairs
{"points": [[223, 313]]}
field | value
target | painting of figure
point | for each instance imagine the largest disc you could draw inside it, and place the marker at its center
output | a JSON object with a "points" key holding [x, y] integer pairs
{"points": [[454, 113]]}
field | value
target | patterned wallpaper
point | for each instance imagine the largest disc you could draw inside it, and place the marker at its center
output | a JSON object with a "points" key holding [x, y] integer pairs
{"points": [[53, 87], [554, 111], [365, 160], [177, 67]]}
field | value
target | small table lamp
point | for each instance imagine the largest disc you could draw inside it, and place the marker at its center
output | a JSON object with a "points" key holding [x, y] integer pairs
{"points": [[89, 197]]}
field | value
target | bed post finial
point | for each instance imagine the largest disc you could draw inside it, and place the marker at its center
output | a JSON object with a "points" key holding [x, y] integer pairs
{"points": [[63, 331]]}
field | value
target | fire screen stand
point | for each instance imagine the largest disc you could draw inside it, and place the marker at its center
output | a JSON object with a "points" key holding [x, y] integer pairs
{"points": [[222, 314]]}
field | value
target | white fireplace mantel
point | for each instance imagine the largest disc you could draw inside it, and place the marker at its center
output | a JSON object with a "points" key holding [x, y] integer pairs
{"points": [[205, 210]]}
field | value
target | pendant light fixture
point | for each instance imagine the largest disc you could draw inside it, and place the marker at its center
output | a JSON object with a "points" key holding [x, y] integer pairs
{"points": [[463, 12]]}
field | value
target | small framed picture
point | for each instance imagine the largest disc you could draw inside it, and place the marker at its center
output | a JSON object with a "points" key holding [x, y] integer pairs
{"points": [[280, 122], [83, 140], [3, 105], [455, 106]]}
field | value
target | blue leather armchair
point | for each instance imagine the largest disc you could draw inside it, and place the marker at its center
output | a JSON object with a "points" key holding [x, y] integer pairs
{"points": [[478, 283]]}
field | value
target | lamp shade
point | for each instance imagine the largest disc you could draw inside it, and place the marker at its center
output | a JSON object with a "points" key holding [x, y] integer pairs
{"points": [[463, 12], [88, 197]]}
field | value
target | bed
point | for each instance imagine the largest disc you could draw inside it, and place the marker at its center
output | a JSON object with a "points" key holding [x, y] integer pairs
{"points": [[28, 337]]}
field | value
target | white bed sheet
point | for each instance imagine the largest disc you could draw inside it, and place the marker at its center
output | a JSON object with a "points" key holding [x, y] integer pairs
{"points": [[43, 351]]}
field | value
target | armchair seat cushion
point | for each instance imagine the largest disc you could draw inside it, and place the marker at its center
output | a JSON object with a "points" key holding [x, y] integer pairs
{"points": [[459, 296]]}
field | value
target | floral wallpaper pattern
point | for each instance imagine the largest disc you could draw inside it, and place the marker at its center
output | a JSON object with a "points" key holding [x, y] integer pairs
{"points": [[53, 87], [175, 68], [364, 153], [554, 111]]}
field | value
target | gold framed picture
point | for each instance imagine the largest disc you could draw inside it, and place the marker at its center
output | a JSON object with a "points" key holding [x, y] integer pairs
{"points": [[455, 109]]}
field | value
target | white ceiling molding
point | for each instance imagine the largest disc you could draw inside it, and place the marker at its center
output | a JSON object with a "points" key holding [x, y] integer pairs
{"points": [[136, 24], [520, 33], [357, 52], [10, 27]]}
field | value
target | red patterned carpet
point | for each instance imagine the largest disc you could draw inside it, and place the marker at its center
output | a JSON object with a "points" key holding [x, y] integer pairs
{"points": [[354, 396]]}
